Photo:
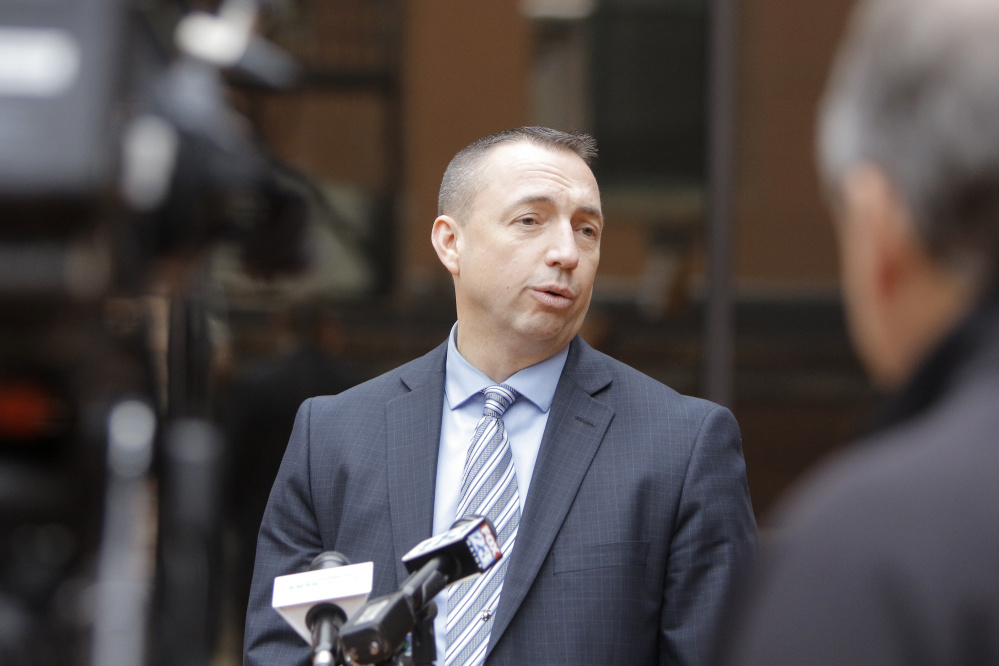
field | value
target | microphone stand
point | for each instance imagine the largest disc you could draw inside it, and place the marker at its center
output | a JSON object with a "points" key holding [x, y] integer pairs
{"points": [[424, 641], [423, 644], [326, 635]]}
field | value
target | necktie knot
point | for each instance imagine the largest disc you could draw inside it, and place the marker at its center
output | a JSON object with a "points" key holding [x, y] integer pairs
{"points": [[498, 399]]}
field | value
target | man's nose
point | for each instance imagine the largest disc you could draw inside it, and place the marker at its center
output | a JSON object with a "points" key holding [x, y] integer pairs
{"points": [[562, 250]]}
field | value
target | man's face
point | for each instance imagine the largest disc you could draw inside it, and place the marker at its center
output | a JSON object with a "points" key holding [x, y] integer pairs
{"points": [[527, 251], [899, 300]]}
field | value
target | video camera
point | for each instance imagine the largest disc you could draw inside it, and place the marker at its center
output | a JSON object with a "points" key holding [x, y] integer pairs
{"points": [[121, 163]]}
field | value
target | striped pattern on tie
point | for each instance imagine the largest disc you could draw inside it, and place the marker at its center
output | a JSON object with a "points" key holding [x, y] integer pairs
{"points": [[488, 488]]}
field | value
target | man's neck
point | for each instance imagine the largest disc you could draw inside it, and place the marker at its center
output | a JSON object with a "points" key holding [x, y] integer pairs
{"points": [[925, 314], [499, 363]]}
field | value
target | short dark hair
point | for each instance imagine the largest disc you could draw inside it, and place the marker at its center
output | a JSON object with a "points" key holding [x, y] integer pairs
{"points": [[915, 92], [463, 176]]}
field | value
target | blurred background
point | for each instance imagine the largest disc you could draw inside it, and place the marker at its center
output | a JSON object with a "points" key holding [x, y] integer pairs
{"points": [[228, 295]]}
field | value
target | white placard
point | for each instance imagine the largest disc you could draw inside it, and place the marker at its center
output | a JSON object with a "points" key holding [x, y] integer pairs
{"points": [[347, 586]]}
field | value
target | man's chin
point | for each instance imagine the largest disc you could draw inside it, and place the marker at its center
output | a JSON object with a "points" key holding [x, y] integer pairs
{"points": [[548, 338]]}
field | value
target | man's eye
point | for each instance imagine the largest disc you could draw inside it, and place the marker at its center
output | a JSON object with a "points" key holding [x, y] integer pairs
{"points": [[529, 221]]}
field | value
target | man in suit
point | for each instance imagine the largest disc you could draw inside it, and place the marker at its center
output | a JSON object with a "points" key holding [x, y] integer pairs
{"points": [[631, 500], [889, 554]]}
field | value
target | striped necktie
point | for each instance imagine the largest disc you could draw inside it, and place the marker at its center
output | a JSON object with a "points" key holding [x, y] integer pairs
{"points": [[488, 488]]}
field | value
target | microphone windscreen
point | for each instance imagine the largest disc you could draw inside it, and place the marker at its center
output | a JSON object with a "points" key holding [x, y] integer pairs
{"points": [[328, 560]]}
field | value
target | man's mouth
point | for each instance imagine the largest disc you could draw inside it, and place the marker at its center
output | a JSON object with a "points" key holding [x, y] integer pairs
{"points": [[557, 290], [555, 295]]}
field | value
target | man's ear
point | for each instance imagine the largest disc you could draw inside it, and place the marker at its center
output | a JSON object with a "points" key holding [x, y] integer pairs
{"points": [[881, 261], [877, 214], [446, 238]]}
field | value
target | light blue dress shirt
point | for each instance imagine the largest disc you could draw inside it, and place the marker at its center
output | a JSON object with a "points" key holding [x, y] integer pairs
{"points": [[525, 422]]}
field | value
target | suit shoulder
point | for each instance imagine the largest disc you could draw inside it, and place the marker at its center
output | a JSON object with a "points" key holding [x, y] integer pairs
{"points": [[630, 385], [379, 390], [930, 480]]}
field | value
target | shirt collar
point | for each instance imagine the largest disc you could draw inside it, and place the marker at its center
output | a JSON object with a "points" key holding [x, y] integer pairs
{"points": [[537, 383]]}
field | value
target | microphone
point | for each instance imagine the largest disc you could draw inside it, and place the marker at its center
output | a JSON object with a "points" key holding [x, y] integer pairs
{"points": [[324, 620], [379, 628], [316, 603]]}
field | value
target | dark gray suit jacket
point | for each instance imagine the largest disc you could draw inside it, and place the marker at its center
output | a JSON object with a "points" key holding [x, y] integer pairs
{"points": [[637, 519], [888, 554]]}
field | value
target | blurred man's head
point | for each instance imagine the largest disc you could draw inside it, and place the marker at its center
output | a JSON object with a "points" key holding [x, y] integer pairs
{"points": [[909, 151], [520, 235]]}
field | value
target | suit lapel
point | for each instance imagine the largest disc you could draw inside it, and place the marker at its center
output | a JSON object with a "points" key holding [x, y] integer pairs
{"points": [[576, 426], [413, 428]]}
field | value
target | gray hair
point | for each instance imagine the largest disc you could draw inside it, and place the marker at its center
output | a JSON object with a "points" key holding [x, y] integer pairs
{"points": [[915, 91], [464, 175]]}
